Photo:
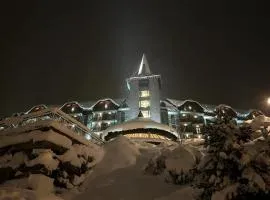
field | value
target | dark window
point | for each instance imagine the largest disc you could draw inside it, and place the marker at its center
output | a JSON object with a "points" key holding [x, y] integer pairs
{"points": [[144, 83], [164, 116], [173, 119], [123, 118]]}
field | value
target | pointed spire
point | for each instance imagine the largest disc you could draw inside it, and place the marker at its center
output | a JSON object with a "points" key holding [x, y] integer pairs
{"points": [[144, 67]]}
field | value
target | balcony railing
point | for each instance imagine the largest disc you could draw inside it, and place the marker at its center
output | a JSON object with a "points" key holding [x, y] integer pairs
{"points": [[104, 117], [49, 115]]}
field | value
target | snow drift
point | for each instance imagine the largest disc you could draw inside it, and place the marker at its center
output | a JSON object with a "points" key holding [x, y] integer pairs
{"points": [[119, 153], [42, 159]]}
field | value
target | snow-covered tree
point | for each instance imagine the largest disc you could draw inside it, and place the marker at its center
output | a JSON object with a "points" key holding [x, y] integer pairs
{"points": [[223, 165]]}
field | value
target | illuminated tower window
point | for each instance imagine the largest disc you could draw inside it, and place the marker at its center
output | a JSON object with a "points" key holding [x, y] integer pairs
{"points": [[144, 93], [198, 129], [146, 113], [144, 104]]}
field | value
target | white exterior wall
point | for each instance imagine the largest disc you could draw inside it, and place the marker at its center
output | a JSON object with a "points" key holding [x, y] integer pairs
{"points": [[133, 98]]}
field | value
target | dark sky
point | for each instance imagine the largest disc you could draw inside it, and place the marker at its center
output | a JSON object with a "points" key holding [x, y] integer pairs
{"points": [[56, 51]]}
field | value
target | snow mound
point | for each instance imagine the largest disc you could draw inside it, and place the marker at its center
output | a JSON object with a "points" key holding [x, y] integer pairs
{"points": [[176, 166], [180, 159], [7, 160], [23, 194], [15, 193], [41, 184], [72, 157], [195, 151], [36, 136], [119, 153], [79, 154], [19, 189], [91, 150], [46, 158], [187, 193], [227, 193], [259, 122]]}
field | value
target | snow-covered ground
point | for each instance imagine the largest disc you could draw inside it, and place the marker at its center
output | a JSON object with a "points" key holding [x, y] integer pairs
{"points": [[118, 174], [123, 169], [121, 174]]}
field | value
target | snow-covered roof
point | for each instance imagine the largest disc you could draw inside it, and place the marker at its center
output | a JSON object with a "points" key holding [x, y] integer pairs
{"points": [[91, 104], [74, 102], [138, 123], [168, 105], [208, 107], [175, 102], [105, 99], [36, 107], [179, 103]]}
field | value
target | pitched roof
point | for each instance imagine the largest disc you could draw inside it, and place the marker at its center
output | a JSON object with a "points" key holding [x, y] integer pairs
{"points": [[144, 67]]}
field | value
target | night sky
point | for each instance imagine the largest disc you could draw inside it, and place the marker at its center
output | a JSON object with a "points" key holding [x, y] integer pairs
{"points": [[57, 51]]}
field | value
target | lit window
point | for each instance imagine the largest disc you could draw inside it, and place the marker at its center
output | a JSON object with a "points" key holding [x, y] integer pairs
{"points": [[189, 107], [144, 93], [198, 129], [144, 103], [88, 136], [106, 106], [146, 113], [195, 116], [72, 109]]}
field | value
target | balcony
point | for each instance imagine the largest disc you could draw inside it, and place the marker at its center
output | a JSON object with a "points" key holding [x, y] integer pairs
{"points": [[104, 117]]}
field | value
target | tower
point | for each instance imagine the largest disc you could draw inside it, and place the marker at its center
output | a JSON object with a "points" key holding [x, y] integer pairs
{"points": [[144, 93]]}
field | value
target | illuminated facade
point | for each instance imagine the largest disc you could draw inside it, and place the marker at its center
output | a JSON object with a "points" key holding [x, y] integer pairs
{"points": [[144, 95]]}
